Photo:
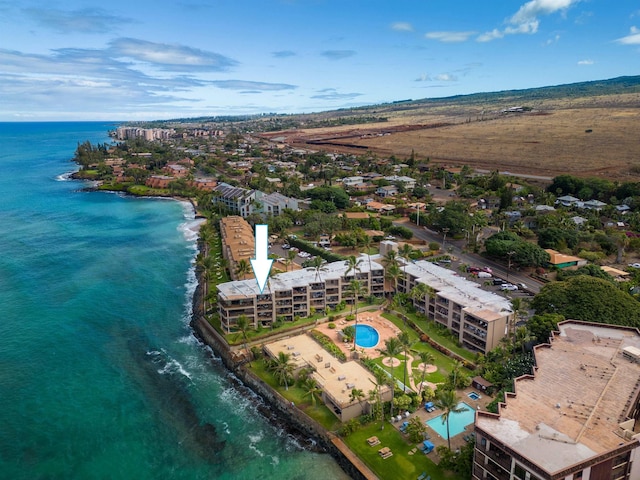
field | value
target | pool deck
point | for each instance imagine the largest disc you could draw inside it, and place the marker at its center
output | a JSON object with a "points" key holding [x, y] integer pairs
{"points": [[373, 318], [458, 440]]}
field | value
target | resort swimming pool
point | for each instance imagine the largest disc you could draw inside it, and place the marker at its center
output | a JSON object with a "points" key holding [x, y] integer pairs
{"points": [[457, 421], [366, 336]]}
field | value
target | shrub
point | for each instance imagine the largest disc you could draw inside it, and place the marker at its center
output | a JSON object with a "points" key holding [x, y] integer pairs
{"points": [[331, 325], [328, 345]]}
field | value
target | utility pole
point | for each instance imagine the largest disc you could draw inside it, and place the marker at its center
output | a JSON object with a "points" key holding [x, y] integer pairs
{"points": [[444, 237], [418, 214]]}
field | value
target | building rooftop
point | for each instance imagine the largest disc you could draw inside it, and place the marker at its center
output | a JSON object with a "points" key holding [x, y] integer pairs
{"points": [[299, 278], [455, 288], [238, 238], [572, 408], [335, 378]]}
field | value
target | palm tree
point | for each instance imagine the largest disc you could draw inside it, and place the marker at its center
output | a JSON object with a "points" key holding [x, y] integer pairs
{"points": [[206, 265], [243, 325], [426, 358], [357, 290], [393, 272], [311, 389], [242, 268], [376, 395], [353, 265], [457, 366], [356, 394], [522, 337], [318, 265], [420, 292], [405, 252], [282, 369], [448, 402], [406, 342], [393, 348], [391, 258], [366, 244], [291, 255]]}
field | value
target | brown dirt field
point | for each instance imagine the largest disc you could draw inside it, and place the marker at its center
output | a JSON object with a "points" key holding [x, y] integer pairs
{"points": [[549, 141]]}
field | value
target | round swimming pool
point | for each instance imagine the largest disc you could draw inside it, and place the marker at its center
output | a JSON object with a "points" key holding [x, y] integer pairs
{"points": [[366, 336]]}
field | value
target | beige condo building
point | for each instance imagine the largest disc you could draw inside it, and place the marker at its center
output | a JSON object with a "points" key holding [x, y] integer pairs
{"points": [[238, 243], [298, 293], [479, 319]]}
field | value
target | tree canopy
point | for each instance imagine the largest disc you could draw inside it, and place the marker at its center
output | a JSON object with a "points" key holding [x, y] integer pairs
{"points": [[590, 299], [524, 253], [330, 194]]}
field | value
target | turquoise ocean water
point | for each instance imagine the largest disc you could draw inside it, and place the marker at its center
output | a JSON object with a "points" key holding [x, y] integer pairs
{"points": [[100, 375]]}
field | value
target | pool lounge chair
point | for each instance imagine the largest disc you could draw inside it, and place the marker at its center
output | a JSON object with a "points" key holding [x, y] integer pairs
{"points": [[422, 476]]}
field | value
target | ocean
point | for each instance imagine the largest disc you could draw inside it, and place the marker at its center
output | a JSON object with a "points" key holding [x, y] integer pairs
{"points": [[100, 374]]}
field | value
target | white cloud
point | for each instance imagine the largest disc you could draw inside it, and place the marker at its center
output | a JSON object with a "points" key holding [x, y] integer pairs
{"points": [[586, 62], [449, 37], [526, 19], [402, 27], [441, 77], [492, 35], [332, 94], [253, 86], [86, 20], [632, 39], [553, 40], [170, 57]]}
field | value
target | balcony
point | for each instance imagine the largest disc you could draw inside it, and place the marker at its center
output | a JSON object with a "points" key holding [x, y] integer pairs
{"points": [[264, 298], [283, 294], [498, 456], [299, 290], [474, 341]]}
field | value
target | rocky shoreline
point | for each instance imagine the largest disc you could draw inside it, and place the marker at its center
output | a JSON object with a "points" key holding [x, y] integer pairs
{"points": [[276, 409]]}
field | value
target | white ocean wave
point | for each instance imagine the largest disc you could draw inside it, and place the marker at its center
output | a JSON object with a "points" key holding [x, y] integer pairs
{"points": [[65, 177]]}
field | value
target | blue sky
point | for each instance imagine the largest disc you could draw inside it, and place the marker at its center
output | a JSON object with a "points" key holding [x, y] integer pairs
{"points": [[143, 60]]}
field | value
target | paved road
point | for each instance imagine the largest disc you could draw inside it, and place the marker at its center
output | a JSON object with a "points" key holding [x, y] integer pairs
{"points": [[499, 270]]}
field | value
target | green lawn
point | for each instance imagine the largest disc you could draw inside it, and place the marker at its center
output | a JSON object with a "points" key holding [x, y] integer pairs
{"points": [[430, 328], [401, 464], [320, 413], [443, 362]]}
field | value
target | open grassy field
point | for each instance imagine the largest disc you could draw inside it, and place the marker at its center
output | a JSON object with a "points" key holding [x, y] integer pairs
{"points": [[594, 135]]}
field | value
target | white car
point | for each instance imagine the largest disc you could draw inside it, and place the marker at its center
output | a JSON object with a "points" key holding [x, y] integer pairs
{"points": [[634, 265], [508, 287]]}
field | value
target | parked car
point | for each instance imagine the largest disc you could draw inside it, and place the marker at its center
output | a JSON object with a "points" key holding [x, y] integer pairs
{"points": [[508, 287], [498, 281], [483, 274], [634, 265]]}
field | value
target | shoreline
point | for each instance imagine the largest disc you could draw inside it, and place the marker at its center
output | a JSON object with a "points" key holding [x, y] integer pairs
{"points": [[278, 411]]}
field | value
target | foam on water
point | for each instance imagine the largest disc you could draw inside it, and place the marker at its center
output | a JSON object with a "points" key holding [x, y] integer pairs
{"points": [[105, 324]]}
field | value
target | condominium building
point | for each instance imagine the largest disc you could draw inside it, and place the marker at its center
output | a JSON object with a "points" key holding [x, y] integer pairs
{"points": [[576, 417], [239, 201], [294, 294], [238, 243], [479, 319], [243, 202], [274, 203]]}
